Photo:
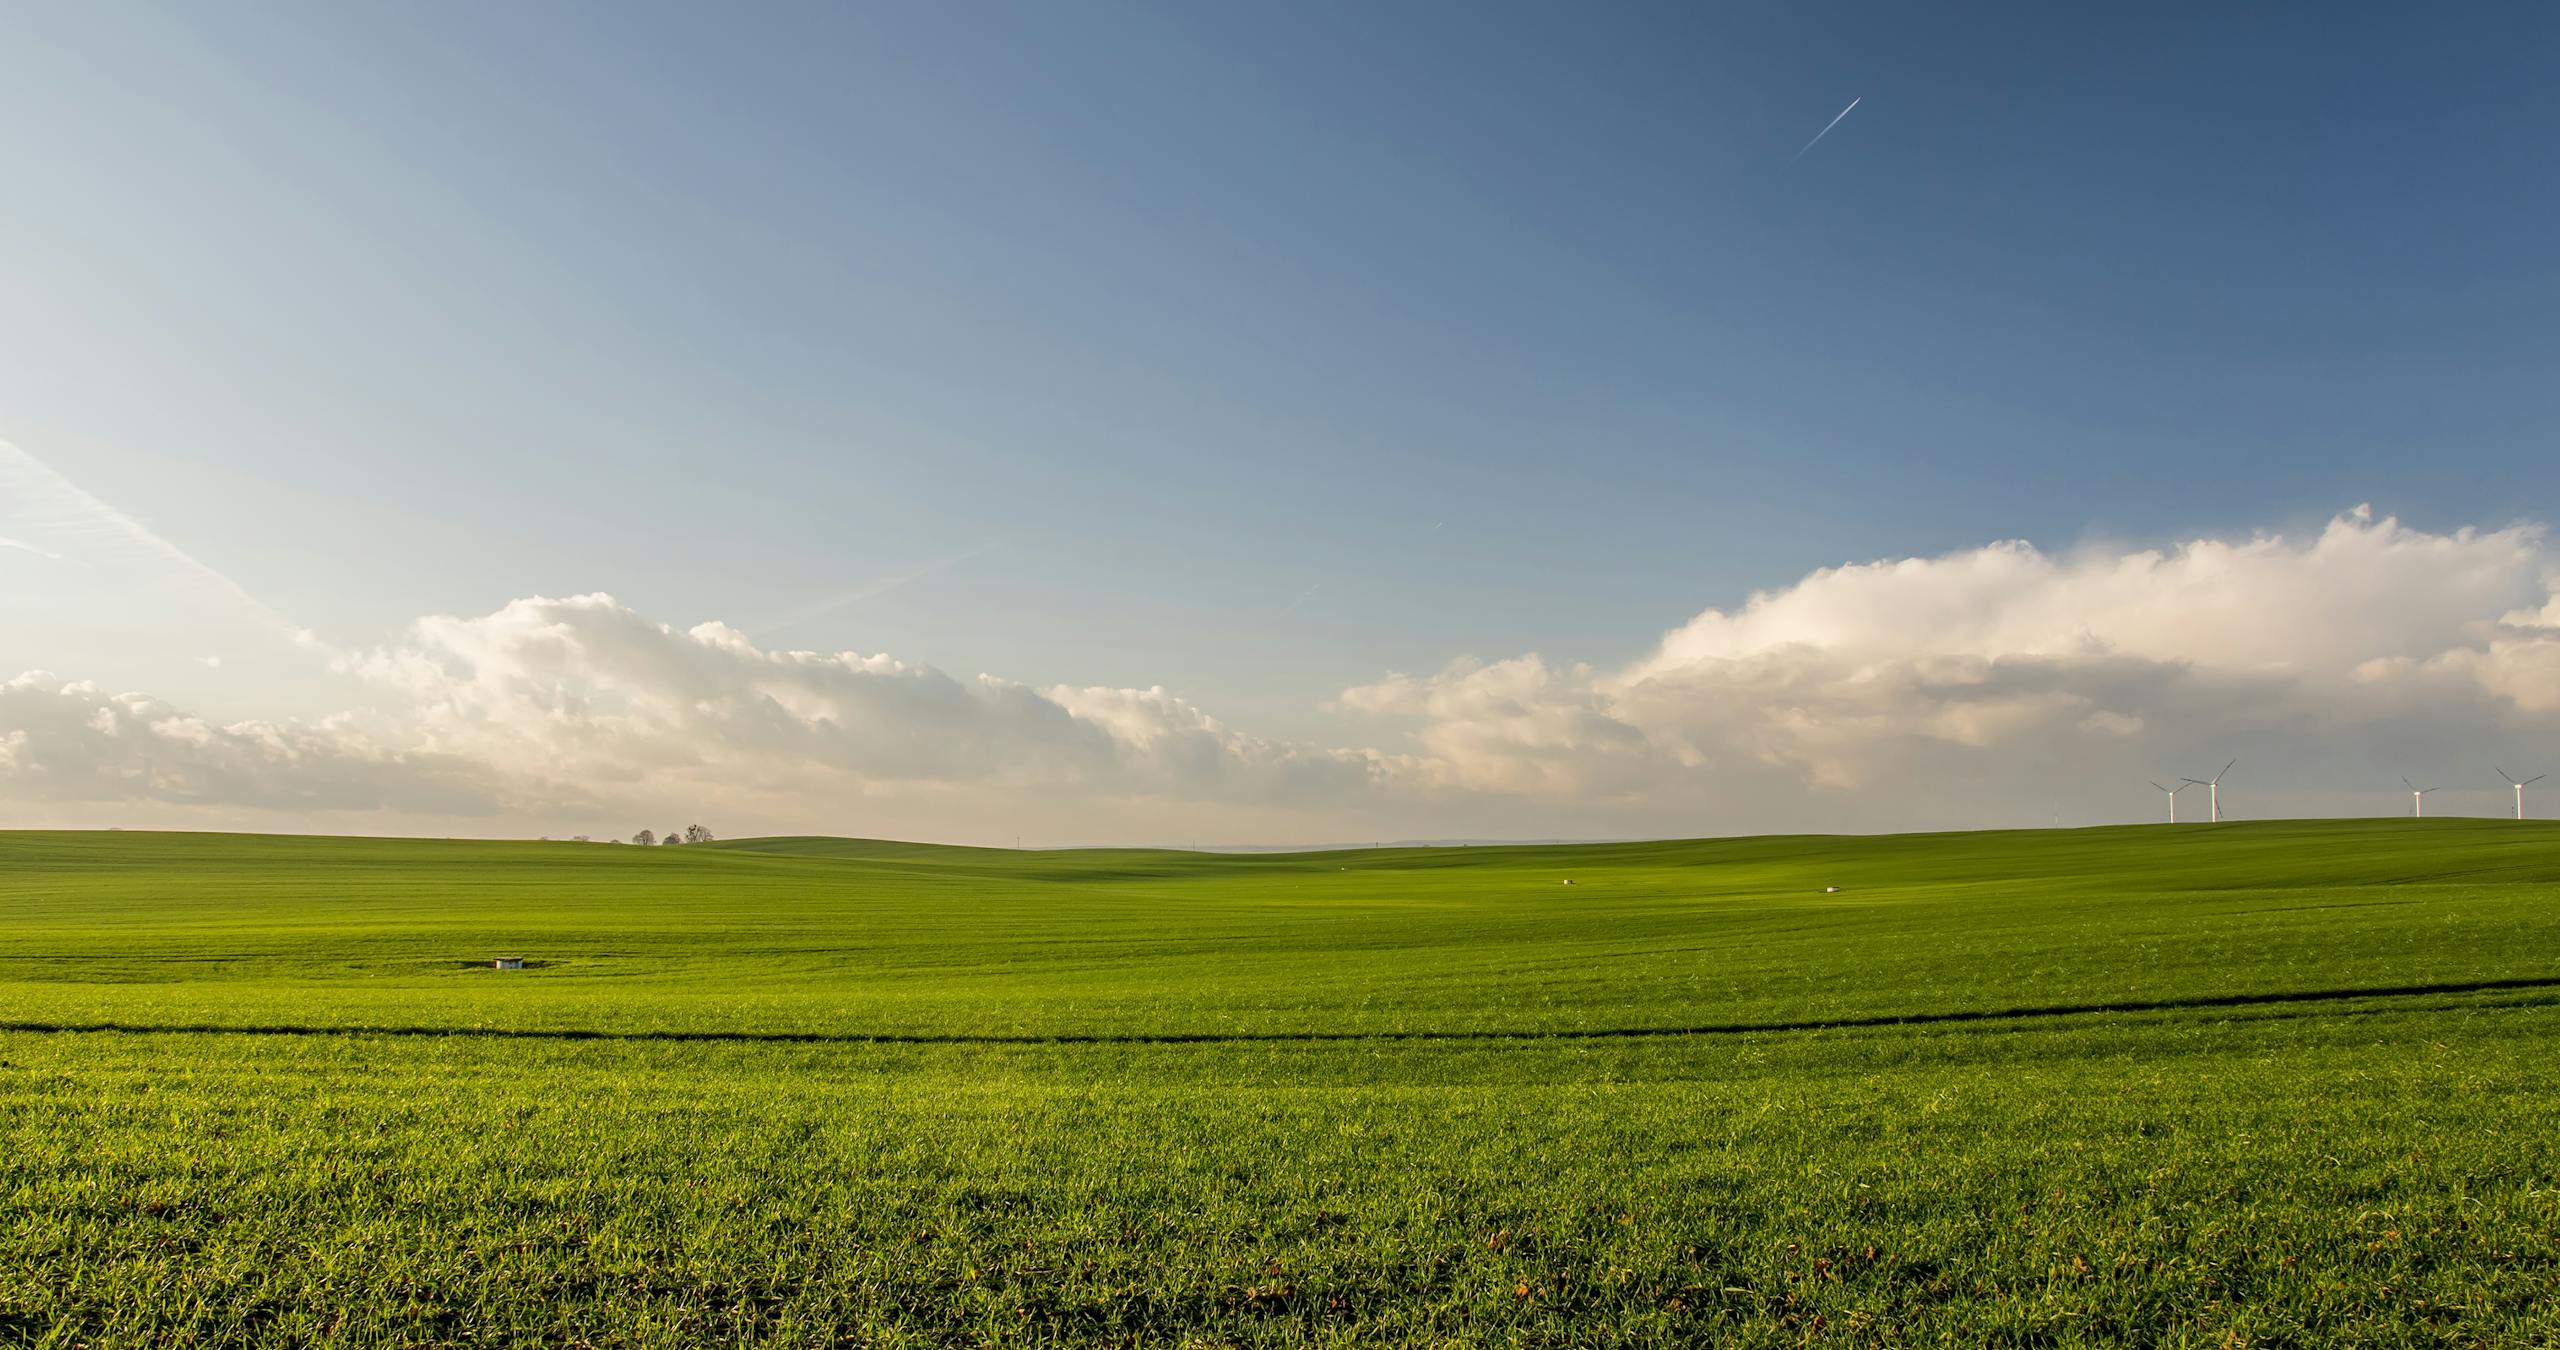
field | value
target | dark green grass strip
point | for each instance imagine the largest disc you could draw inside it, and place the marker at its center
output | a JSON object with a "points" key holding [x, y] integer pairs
{"points": [[1881, 1020]]}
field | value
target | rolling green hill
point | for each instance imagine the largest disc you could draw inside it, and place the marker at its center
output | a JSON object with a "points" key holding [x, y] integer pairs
{"points": [[2274, 1083]]}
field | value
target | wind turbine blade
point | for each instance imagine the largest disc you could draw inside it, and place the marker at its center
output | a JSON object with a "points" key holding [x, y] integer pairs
{"points": [[2506, 775], [2196, 781], [2404, 782], [2533, 780], [2225, 769]]}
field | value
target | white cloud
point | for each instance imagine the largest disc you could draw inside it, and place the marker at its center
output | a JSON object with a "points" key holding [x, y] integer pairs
{"points": [[587, 688], [71, 742], [2001, 657], [1511, 726], [1993, 684], [2361, 589], [551, 706]]}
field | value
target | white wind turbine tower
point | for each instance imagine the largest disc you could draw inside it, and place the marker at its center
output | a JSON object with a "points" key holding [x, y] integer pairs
{"points": [[2519, 784], [2173, 799], [2213, 787], [2417, 796]]}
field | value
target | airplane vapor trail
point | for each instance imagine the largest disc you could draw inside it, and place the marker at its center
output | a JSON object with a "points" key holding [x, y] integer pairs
{"points": [[870, 590], [23, 545], [1826, 130], [37, 500]]}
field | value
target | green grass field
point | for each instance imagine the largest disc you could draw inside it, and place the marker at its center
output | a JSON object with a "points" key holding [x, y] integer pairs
{"points": [[2281, 1084]]}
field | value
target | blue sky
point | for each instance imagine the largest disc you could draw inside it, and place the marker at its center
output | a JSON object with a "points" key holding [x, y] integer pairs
{"points": [[1251, 351]]}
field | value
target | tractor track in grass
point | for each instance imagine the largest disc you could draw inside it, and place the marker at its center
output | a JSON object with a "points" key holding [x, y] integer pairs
{"points": [[1880, 1021]]}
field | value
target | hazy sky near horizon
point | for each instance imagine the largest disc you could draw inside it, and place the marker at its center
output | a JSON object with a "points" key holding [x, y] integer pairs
{"points": [[1151, 422]]}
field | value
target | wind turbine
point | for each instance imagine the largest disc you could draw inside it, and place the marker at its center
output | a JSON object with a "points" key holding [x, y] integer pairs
{"points": [[2519, 786], [2418, 796], [2173, 799], [2213, 787]]}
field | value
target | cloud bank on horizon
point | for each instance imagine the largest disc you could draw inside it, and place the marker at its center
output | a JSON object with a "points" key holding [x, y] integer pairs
{"points": [[1997, 685]]}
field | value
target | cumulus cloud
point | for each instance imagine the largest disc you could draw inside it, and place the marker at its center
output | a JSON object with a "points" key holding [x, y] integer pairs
{"points": [[68, 741], [1997, 683], [551, 706], [1508, 726], [588, 688], [1896, 670], [2361, 589]]}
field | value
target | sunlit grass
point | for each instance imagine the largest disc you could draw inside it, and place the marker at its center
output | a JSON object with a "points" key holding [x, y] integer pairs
{"points": [[2275, 1085]]}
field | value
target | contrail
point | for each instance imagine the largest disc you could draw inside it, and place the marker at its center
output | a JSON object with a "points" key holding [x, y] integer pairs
{"points": [[7, 542], [34, 499], [1826, 130], [868, 591]]}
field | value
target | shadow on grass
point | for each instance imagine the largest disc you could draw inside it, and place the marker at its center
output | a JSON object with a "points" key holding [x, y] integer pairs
{"points": [[2206, 1002]]}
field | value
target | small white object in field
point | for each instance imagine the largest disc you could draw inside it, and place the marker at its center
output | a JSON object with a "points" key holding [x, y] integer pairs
{"points": [[509, 963], [1830, 890], [1568, 881]]}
